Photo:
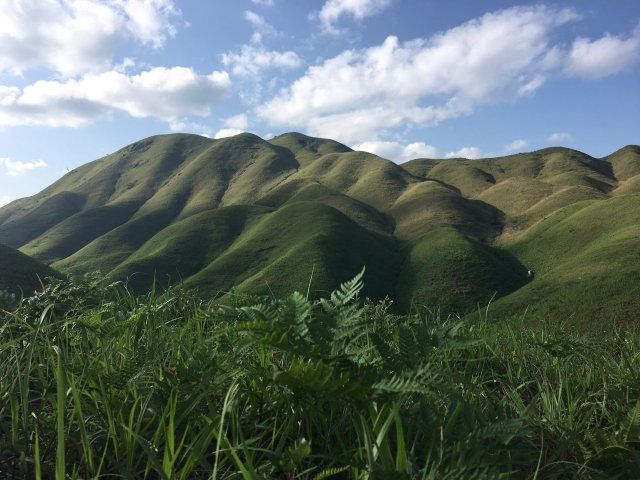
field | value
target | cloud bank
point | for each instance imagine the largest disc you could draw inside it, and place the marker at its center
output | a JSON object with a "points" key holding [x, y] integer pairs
{"points": [[78, 41], [361, 94], [163, 93], [75, 37]]}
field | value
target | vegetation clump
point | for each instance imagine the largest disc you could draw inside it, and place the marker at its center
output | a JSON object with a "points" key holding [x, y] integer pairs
{"points": [[96, 382]]}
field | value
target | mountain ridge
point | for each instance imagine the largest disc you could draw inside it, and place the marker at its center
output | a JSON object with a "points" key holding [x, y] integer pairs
{"points": [[139, 209]]}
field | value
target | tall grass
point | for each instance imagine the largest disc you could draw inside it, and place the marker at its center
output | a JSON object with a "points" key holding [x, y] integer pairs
{"points": [[95, 382]]}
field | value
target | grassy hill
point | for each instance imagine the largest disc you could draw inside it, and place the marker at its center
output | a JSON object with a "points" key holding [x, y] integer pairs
{"points": [[243, 214], [21, 274], [586, 259]]}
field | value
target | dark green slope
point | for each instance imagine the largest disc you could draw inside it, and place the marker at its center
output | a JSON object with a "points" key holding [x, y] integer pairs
{"points": [[361, 213], [22, 224], [186, 247], [299, 243], [76, 231], [111, 249], [447, 270], [21, 274]]}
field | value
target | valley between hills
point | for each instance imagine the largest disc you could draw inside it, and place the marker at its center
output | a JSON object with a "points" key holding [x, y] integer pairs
{"points": [[245, 215]]}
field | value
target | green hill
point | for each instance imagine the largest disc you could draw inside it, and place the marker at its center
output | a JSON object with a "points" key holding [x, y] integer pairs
{"points": [[586, 257], [21, 274], [448, 270], [243, 214]]}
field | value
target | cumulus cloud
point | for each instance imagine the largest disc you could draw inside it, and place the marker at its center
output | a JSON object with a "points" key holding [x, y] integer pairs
{"points": [[75, 37], [602, 57], [251, 60], [264, 3], [333, 10], [5, 199], [465, 152], [516, 145], [163, 93], [240, 121], [150, 20], [398, 152], [233, 126], [559, 137], [16, 167], [499, 56]]}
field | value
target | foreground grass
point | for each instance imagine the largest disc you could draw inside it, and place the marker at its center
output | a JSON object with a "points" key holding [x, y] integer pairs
{"points": [[95, 382]]}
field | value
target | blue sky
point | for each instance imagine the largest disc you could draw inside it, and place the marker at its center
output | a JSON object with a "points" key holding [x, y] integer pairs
{"points": [[401, 78]]}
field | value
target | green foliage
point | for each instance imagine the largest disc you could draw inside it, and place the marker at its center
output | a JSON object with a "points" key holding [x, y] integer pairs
{"points": [[96, 382]]}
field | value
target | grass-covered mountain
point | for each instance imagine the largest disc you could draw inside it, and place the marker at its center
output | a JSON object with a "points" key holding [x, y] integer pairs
{"points": [[297, 212], [21, 274]]}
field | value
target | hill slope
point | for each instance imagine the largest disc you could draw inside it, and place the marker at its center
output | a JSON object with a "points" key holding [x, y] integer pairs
{"points": [[21, 274], [262, 216]]}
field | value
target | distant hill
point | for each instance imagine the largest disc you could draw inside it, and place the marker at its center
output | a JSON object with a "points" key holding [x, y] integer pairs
{"points": [[21, 274], [243, 214]]}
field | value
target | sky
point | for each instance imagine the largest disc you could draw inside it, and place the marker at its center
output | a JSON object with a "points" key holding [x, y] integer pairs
{"points": [[404, 79]]}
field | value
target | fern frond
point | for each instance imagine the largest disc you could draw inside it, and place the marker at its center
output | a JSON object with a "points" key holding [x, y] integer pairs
{"points": [[423, 379], [318, 378]]}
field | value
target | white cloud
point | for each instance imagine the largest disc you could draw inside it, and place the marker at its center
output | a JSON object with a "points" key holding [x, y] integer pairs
{"points": [[251, 60], [4, 200], [259, 24], [602, 57], [163, 93], [16, 167], [233, 126], [358, 95], [332, 10], [397, 152], [264, 3], [149, 20], [227, 132], [75, 37], [240, 122], [499, 56], [515, 146], [559, 137], [465, 152]]}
